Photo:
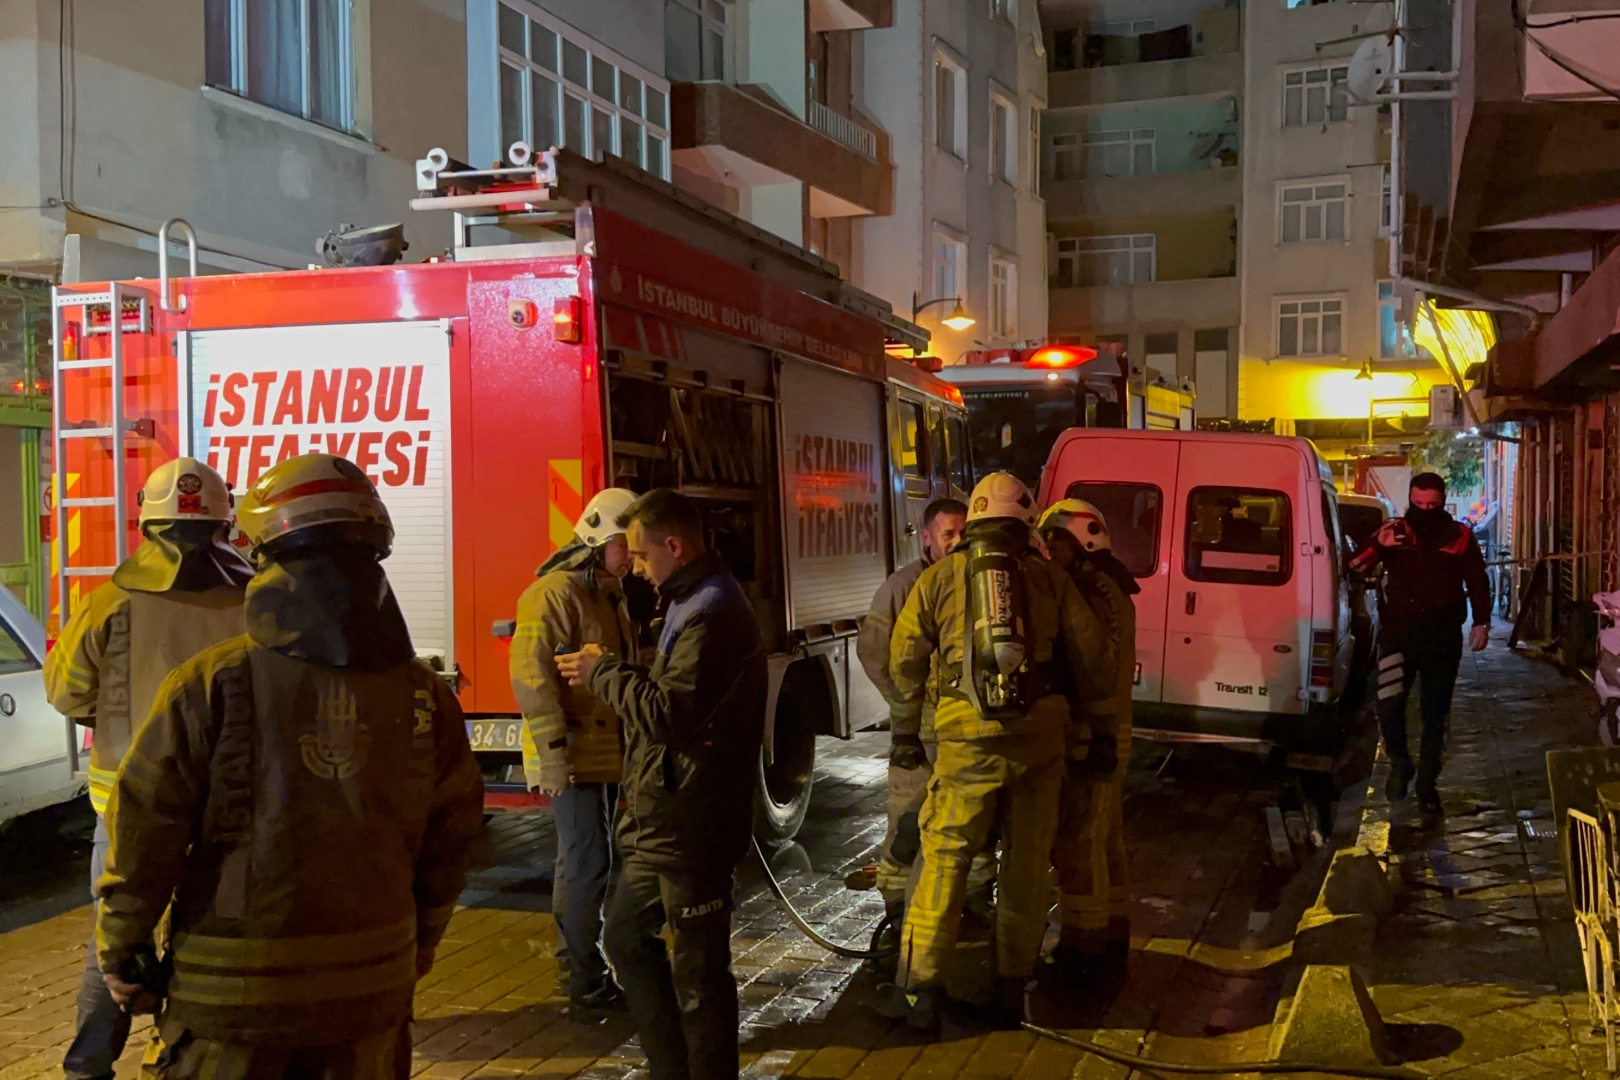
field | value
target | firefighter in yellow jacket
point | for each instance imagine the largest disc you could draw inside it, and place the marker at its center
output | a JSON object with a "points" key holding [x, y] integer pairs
{"points": [[1018, 653], [179, 593], [1089, 852], [572, 743], [302, 801]]}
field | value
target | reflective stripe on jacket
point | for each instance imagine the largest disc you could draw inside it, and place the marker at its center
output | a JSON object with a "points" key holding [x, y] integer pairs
{"points": [[568, 608], [311, 827], [115, 652], [1063, 633]]}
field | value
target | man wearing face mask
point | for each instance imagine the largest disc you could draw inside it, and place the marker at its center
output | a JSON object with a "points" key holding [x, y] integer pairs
{"points": [[179, 593], [571, 739], [1436, 575]]}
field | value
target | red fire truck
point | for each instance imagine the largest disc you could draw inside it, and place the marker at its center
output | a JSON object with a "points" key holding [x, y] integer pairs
{"points": [[617, 332]]}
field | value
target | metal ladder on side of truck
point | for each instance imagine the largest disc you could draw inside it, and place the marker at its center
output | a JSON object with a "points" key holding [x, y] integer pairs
{"points": [[114, 299]]}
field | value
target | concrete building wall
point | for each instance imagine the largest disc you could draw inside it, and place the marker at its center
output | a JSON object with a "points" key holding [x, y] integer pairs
{"points": [[1278, 40], [937, 192], [146, 140]]}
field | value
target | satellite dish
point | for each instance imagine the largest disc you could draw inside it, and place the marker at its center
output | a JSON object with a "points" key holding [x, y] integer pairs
{"points": [[1370, 68]]}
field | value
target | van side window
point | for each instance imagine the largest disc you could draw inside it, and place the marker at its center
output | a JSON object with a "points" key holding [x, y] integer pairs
{"points": [[961, 475], [939, 456], [913, 460], [1239, 536], [13, 656], [1132, 513]]}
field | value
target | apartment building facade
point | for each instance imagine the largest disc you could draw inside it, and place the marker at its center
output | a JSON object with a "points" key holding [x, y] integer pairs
{"points": [[958, 88], [1142, 172]]}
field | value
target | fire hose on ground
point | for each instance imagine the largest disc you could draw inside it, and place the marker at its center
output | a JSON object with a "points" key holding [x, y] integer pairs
{"points": [[1120, 1057]]}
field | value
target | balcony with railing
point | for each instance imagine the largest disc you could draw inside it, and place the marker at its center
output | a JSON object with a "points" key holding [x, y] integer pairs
{"points": [[1201, 57], [842, 129]]}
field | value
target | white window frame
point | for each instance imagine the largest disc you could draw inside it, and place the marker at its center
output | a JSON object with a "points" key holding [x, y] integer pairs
{"points": [[1297, 198], [1005, 9], [1137, 247], [1066, 147], [1133, 139], [956, 288], [534, 73], [1003, 107], [237, 14], [716, 18], [1033, 140], [1301, 79], [959, 104], [1305, 309], [1003, 296]]}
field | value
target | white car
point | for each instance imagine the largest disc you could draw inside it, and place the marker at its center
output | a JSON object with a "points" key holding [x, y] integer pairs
{"points": [[34, 749]]}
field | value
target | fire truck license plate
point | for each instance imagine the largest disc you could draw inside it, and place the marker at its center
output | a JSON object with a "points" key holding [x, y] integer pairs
{"points": [[495, 734]]}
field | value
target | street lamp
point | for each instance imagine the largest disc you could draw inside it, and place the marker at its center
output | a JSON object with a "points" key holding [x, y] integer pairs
{"points": [[956, 320]]}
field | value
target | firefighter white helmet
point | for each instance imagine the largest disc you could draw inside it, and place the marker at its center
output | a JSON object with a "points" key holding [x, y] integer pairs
{"points": [[1083, 521], [184, 490], [1001, 495], [315, 498], [600, 521]]}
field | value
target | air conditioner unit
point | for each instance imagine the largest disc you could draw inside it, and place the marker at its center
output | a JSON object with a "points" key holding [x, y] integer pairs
{"points": [[1445, 408]]}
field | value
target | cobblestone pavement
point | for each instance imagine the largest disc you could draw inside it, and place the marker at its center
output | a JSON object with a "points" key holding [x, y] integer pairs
{"points": [[1476, 971]]}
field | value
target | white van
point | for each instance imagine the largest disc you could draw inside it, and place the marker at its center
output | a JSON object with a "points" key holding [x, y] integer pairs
{"points": [[35, 766], [1244, 629]]}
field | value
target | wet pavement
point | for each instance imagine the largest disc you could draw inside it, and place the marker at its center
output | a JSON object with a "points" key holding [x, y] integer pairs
{"points": [[1476, 970]]}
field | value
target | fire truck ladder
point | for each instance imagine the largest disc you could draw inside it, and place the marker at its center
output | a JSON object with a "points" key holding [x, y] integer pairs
{"points": [[128, 311]]}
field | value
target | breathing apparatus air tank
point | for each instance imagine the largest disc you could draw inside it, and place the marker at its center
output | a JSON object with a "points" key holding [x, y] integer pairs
{"points": [[995, 659]]}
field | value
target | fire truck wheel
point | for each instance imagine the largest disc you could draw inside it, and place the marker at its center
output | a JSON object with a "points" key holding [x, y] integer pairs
{"points": [[785, 777]]}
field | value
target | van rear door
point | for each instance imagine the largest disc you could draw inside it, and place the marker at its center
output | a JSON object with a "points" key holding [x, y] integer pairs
{"points": [[1240, 593], [1129, 479]]}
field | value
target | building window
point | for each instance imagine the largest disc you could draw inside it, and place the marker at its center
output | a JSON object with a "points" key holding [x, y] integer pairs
{"points": [[1310, 327], [1003, 142], [950, 257], [1126, 152], [1004, 9], [1313, 212], [1315, 96], [1383, 207], [1065, 157], [695, 34], [950, 106], [1125, 27], [1034, 148], [296, 56], [559, 88], [1003, 298], [1394, 336], [1088, 261]]}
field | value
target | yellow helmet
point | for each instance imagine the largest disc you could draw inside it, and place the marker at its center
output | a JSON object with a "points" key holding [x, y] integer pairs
{"points": [[312, 499], [1001, 495], [600, 521], [184, 490], [1083, 521]]}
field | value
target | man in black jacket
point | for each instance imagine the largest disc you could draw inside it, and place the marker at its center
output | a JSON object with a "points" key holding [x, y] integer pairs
{"points": [[1436, 574], [693, 724]]}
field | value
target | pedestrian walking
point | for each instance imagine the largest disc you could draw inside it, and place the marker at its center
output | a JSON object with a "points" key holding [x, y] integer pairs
{"points": [[1436, 574], [1013, 644], [571, 738], [911, 739], [301, 803], [693, 724], [179, 593], [1089, 852]]}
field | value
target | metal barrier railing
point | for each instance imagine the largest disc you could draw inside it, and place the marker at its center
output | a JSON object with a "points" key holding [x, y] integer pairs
{"points": [[842, 129]]}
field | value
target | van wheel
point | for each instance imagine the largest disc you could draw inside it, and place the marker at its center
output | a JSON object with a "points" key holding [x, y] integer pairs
{"points": [[782, 796]]}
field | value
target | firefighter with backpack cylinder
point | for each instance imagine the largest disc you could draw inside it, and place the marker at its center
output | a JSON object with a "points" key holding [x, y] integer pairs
{"points": [[177, 594], [1021, 659], [1089, 852]]}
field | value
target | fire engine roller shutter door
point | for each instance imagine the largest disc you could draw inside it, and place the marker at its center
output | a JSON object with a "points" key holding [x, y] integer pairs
{"points": [[375, 393], [833, 478]]}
